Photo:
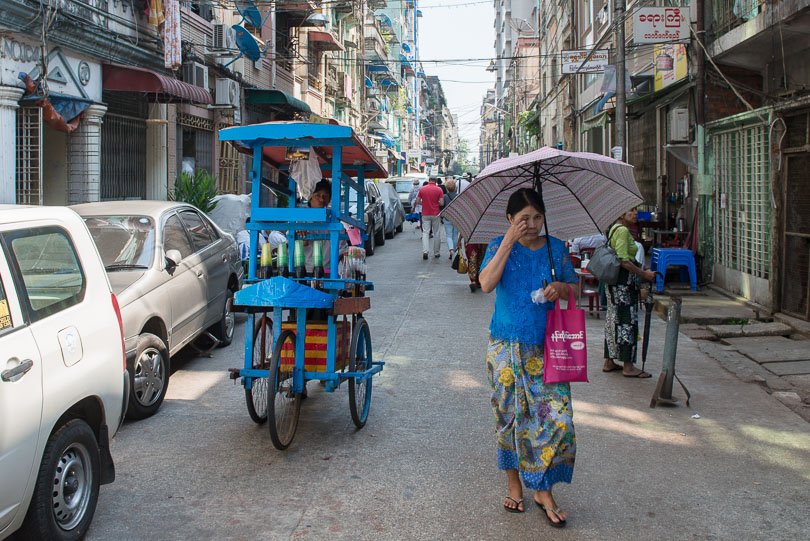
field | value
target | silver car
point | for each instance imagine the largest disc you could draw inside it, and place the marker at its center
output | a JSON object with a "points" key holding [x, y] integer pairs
{"points": [[174, 273]]}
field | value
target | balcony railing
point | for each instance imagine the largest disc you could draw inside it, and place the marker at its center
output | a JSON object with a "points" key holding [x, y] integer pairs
{"points": [[729, 14]]}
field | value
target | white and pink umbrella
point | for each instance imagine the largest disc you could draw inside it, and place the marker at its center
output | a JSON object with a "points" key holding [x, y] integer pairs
{"points": [[584, 193]]}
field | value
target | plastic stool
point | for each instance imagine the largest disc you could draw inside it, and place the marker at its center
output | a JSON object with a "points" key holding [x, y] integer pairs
{"points": [[666, 257]]}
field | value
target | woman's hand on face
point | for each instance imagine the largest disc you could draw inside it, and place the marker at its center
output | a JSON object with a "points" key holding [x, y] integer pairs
{"points": [[515, 231]]}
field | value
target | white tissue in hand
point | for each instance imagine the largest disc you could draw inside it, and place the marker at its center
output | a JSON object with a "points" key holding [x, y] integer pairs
{"points": [[538, 297]]}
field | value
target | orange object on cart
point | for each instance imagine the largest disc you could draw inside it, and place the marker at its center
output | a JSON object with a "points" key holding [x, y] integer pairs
{"points": [[315, 346]]}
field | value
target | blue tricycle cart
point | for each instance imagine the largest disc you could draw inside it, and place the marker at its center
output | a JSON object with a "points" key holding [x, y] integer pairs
{"points": [[305, 327]]}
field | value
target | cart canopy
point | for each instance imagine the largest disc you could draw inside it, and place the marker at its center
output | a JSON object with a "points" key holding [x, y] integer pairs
{"points": [[276, 137]]}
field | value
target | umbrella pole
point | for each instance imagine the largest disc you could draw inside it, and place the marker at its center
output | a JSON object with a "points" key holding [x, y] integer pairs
{"points": [[538, 186]]}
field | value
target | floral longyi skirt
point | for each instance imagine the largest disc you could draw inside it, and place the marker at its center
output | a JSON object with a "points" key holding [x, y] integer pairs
{"points": [[534, 421]]}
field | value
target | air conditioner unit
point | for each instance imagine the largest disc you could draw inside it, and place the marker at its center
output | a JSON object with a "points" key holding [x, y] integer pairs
{"points": [[196, 74], [227, 92], [678, 125], [223, 39]]}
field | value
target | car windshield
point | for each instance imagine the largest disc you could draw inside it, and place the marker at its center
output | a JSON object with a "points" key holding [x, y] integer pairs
{"points": [[404, 186], [124, 242]]}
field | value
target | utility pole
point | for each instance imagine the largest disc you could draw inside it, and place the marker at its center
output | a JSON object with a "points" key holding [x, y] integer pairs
{"points": [[621, 107]]}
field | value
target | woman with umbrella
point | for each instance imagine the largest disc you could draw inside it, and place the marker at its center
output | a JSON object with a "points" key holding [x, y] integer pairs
{"points": [[535, 431], [621, 321]]}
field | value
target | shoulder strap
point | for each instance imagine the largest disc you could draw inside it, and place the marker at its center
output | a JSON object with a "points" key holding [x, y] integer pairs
{"points": [[612, 230]]}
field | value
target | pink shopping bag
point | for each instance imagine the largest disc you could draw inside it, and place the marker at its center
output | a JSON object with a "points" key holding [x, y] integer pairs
{"points": [[565, 359]]}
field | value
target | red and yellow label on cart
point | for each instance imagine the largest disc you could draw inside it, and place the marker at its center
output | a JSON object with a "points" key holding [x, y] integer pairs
{"points": [[315, 346]]}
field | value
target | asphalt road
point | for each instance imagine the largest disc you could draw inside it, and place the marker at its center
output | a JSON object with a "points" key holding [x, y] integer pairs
{"points": [[424, 465]]}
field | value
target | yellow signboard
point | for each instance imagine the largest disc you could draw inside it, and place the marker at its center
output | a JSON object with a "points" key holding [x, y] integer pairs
{"points": [[670, 63]]}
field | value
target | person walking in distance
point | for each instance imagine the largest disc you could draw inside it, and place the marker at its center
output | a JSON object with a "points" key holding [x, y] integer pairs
{"points": [[450, 231], [431, 197]]}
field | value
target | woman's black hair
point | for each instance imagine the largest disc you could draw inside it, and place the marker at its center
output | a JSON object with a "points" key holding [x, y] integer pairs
{"points": [[324, 184], [523, 198]]}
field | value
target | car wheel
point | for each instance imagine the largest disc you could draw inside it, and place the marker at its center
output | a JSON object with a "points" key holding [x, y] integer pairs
{"points": [[399, 228], [390, 234], [369, 245], [66, 490], [223, 329], [380, 235], [149, 375]]}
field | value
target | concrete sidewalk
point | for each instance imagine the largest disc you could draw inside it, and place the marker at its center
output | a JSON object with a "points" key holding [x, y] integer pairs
{"points": [[770, 350]]}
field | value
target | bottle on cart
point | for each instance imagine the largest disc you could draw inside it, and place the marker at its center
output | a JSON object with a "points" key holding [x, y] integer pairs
{"points": [[317, 264], [283, 260], [299, 259], [583, 264], [265, 262]]}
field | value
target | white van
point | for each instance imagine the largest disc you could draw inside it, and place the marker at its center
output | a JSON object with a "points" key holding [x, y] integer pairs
{"points": [[63, 377]]}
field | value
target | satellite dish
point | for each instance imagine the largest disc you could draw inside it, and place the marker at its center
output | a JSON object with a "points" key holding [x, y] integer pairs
{"points": [[250, 13], [521, 26], [249, 45]]}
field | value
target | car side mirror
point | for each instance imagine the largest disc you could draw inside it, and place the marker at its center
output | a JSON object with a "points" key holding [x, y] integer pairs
{"points": [[173, 258]]}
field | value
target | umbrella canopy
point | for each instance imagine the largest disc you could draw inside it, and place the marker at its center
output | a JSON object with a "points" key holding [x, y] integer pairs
{"points": [[584, 193]]}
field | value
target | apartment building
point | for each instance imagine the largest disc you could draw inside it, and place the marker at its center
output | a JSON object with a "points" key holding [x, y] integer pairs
{"points": [[125, 99]]}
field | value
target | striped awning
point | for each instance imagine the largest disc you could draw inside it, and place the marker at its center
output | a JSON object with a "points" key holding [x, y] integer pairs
{"points": [[584, 193], [163, 88]]}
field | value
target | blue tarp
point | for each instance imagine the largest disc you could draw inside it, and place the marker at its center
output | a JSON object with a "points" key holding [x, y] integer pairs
{"points": [[280, 291]]}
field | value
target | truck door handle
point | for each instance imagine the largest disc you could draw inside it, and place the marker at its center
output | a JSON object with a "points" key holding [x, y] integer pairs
{"points": [[199, 274], [13, 374]]}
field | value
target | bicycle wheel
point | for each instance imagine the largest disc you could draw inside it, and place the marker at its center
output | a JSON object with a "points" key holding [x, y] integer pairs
{"points": [[256, 395], [283, 405], [360, 361]]}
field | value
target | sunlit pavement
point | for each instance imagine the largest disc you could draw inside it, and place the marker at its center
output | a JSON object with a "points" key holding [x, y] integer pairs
{"points": [[424, 465]]}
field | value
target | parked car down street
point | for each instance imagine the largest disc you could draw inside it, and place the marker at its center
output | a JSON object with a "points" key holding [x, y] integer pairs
{"points": [[375, 216], [394, 212], [63, 379], [403, 187], [175, 273]]}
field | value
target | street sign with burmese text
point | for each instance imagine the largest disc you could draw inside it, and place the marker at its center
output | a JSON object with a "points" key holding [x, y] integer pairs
{"points": [[575, 61], [660, 25]]}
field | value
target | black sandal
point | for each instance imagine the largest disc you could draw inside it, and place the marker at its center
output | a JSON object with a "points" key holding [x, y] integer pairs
{"points": [[555, 511], [516, 508]]}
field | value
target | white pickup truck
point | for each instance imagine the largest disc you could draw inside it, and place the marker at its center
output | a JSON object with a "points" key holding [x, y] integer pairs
{"points": [[63, 377]]}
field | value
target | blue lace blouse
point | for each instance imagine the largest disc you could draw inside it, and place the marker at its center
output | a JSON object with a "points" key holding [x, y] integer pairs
{"points": [[516, 317]]}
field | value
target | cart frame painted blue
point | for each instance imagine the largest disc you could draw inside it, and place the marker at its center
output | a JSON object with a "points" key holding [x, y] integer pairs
{"points": [[273, 389]]}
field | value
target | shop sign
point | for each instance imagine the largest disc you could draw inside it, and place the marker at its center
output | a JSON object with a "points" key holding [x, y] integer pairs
{"points": [[574, 61], [381, 154], [670, 64], [659, 25], [413, 154]]}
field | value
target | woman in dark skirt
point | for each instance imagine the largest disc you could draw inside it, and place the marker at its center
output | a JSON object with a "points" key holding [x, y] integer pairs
{"points": [[621, 325]]}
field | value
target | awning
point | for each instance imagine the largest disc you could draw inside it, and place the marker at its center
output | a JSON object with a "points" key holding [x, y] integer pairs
{"points": [[276, 98], [164, 89], [597, 121], [384, 19], [396, 155], [324, 40]]}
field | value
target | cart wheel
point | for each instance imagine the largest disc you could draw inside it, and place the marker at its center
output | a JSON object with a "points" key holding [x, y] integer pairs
{"points": [[256, 395], [283, 405], [360, 361]]}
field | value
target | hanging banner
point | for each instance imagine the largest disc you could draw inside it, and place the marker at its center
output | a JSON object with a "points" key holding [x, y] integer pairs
{"points": [[659, 25], [574, 61], [670, 64]]}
